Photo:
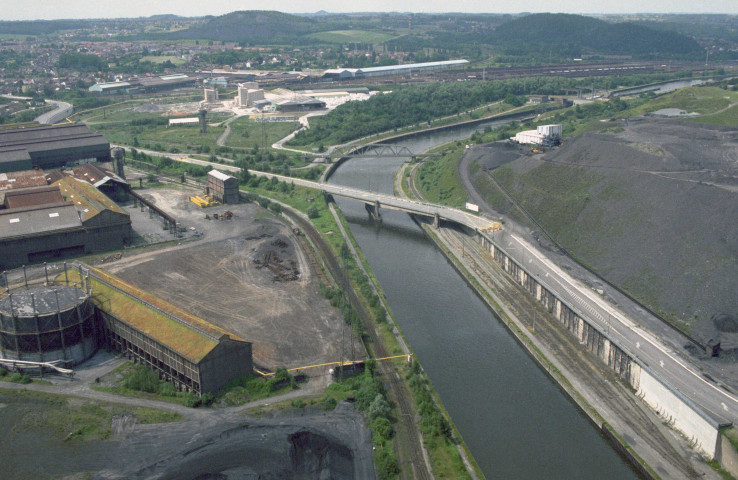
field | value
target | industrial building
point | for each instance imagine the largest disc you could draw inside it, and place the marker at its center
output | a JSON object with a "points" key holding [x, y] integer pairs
{"points": [[48, 324], [210, 95], [64, 313], [68, 217], [248, 94], [301, 105], [145, 84], [406, 69], [222, 187], [49, 147], [543, 135], [183, 349]]}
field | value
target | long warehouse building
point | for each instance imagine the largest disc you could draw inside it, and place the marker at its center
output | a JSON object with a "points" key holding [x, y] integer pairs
{"points": [[195, 355], [49, 147]]}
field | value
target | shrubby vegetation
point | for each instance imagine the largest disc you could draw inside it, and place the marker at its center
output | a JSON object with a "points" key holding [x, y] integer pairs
{"points": [[368, 391], [82, 62]]}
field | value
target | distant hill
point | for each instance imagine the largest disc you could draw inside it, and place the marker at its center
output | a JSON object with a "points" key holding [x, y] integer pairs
{"points": [[254, 27], [577, 35]]}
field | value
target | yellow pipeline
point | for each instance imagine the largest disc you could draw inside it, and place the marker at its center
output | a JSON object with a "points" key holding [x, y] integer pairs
{"points": [[349, 362]]}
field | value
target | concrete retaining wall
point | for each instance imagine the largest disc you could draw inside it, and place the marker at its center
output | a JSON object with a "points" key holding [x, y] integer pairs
{"points": [[678, 410]]}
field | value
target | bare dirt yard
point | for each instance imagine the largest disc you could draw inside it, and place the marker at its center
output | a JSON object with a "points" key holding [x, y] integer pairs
{"points": [[247, 275]]}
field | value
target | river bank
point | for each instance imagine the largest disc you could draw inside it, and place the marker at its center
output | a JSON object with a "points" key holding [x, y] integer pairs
{"points": [[631, 427]]}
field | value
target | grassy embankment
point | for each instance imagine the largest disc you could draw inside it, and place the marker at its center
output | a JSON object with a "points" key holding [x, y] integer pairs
{"points": [[66, 418]]}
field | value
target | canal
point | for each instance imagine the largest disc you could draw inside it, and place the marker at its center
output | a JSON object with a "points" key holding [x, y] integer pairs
{"points": [[513, 417]]}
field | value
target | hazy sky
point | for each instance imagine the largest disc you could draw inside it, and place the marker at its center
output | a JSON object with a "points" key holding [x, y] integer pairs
{"points": [[50, 9]]}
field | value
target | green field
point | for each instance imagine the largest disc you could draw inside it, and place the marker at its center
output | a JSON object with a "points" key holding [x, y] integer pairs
{"points": [[704, 100], [352, 36], [247, 133]]}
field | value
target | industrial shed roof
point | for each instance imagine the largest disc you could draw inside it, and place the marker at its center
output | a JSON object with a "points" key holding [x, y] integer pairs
{"points": [[413, 66], [86, 198], [28, 221], [95, 175], [28, 197], [34, 138], [182, 337], [47, 139], [22, 179], [219, 175]]}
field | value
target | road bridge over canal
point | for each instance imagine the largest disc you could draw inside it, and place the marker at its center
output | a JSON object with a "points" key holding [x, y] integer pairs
{"points": [[375, 201]]}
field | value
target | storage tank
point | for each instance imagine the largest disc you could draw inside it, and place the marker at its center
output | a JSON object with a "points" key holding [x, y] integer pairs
{"points": [[48, 323]]}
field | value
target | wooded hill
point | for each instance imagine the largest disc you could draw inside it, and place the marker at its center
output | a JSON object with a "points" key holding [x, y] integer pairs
{"points": [[545, 37]]}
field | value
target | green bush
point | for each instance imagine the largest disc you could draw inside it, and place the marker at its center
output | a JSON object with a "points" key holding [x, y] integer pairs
{"points": [[18, 377], [3, 372], [167, 389], [379, 408], [386, 463], [190, 399], [142, 379], [382, 430], [313, 212]]}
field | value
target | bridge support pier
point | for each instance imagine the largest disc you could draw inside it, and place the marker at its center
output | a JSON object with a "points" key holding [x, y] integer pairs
{"points": [[436, 221], [373, 211]]}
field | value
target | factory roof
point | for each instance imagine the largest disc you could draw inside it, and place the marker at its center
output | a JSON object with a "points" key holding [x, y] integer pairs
{"points": [[184, 121], [88, 200], [184, 336], [413, 66], [99, 87], [22, 179], [96, 176], [28, 197], [219, 175], [44, 138], [13, 154], [36, 220]]}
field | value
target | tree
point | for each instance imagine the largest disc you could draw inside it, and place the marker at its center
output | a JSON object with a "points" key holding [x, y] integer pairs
{"points": [[378, 408]]}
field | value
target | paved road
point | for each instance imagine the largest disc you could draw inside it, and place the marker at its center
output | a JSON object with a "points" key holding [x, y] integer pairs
{"points": [[644, 336], [62, 111]]}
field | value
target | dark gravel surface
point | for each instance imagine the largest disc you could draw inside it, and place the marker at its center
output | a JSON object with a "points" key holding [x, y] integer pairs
{"points": [[652, 207]]}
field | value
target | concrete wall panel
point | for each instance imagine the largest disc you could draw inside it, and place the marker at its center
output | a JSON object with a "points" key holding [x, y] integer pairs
{"points": [[678, 411]]}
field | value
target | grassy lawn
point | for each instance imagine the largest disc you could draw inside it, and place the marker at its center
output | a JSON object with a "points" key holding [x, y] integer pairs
{"points": [[159, 137], [67, 418], [728, 117], [704, 100], [439, 180], [248, 133]]}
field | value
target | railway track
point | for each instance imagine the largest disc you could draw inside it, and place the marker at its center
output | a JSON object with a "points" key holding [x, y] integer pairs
{"points": [[409, 439]]}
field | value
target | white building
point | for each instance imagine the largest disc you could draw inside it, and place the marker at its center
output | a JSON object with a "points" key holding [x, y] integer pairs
{"points": [[248, 93], [543, 134], [211, 95]]}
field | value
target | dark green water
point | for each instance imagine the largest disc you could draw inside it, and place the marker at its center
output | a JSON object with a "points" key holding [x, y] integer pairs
{"points": [[515, 420]]}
